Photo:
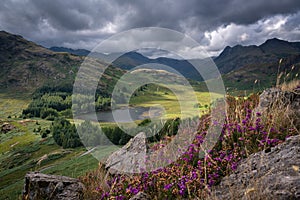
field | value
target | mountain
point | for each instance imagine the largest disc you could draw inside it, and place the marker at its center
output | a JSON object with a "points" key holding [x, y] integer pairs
{"points": [[233, 58], [78, 52], [26, 66], [230, 59]]}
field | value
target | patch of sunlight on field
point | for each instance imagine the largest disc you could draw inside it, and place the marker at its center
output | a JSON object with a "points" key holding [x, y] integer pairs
{"points": [[171, 104], [12, 104]]}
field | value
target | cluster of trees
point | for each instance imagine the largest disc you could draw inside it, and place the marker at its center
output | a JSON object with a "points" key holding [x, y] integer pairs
{"points": [[65, 133], [55, 104], [49, 106], [85, 103]]}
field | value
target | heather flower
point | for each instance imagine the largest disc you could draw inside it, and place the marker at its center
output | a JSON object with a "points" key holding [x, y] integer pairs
{"points": [[168, 186]]}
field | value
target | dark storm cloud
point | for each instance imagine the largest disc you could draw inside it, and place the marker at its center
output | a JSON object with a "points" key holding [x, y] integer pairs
{"points": [[206, 14], [82, 24]]}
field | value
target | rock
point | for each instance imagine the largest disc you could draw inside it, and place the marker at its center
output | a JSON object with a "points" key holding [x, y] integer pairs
{"points": [[41, 186], [272, 175], [140, 196], [271, 96], [285, 101], [6, 127], [130, 158]]}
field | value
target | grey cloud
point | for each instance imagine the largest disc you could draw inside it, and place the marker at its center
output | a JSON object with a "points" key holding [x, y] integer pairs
{"points": [[81, 24]]}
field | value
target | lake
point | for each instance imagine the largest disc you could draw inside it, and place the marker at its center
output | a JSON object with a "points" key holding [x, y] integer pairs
{"points": [[121, 114]]}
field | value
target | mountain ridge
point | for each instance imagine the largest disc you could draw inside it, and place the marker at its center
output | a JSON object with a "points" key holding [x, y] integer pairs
{"points": [[230, 59], [28, 66]]}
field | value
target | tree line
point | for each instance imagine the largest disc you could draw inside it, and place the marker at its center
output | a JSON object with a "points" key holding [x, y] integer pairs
{"points": [[65, 134]]}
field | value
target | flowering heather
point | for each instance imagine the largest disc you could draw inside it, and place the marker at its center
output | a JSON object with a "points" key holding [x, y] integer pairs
{"points": [[244, 132]]}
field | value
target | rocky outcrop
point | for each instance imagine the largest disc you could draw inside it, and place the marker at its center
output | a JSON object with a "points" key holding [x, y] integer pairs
{"points": [[6, 127], [265, 175], [272, 96], [286, 102], [130, 158], [41, 186]]}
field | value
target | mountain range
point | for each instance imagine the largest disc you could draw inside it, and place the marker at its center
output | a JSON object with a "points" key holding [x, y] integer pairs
{"points": [[239, 63], [27, 66]]}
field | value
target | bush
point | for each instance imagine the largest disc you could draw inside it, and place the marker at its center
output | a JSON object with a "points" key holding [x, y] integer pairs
{"points": [[44, 133]]}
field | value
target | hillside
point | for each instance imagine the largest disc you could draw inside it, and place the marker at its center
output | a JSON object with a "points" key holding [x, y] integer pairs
{"points": [[26, 66], [256, 77], [233, 58]]}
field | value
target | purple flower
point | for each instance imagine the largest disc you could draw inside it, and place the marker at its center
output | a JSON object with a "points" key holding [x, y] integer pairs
{"points": [[104, 195], [134, 191], [168, 186], [120, 197], [233, 166], [194, 175]]}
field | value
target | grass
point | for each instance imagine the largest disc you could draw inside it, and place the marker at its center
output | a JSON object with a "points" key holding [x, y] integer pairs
{"points": [[156, 95], [21, 149], [12, 104]]}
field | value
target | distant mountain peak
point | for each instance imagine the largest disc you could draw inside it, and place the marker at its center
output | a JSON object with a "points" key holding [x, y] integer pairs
{"points": [[274, 40]]}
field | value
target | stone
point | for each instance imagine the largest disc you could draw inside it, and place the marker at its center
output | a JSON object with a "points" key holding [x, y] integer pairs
{"points": [[140, 196], [42, 186], [265, 175], [287, 102], [130, 158], [6, 127]]}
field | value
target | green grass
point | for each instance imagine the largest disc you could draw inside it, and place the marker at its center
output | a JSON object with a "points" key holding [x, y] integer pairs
{"points": [[12, 104], [155, 96], [21, 150]]}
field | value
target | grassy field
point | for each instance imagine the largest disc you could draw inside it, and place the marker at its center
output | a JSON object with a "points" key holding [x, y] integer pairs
{"points": [[12, 104], [22, 149], [155, 96]]}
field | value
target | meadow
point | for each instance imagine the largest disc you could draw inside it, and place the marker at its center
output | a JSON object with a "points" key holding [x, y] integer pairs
{"points": [[23, 149]]}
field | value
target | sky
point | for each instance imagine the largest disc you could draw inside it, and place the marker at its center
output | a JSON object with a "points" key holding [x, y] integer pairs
{"points": [[214, 24]]}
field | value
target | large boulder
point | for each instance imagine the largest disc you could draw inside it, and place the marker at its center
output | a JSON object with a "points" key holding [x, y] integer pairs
{"points": [[41, 186], [265, 175], [130, 158]]}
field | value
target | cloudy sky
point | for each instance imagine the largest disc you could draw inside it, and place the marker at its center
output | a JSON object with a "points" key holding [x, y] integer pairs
{"points": [[215, 24]]}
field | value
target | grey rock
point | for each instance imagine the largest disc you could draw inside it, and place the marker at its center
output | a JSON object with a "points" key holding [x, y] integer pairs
{"points": [[130, 158], [287, 102], [272, 175], [42, 186], [140, 196]]}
